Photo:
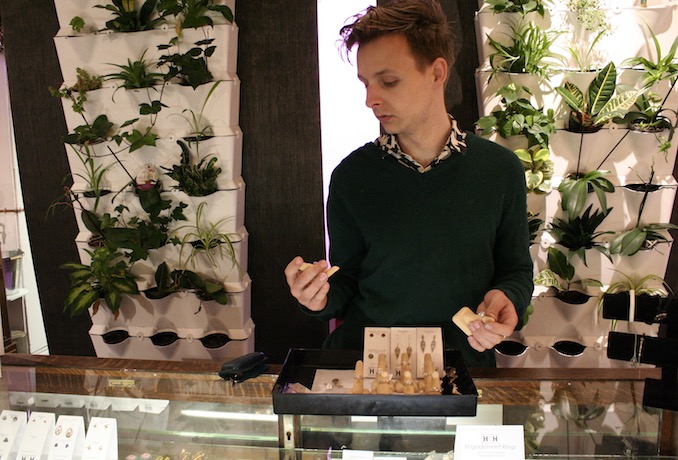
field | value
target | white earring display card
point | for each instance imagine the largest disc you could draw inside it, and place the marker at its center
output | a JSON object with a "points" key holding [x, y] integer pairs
{"points": [[12, 426], [37, 436], [101, 442], [68, 441]]}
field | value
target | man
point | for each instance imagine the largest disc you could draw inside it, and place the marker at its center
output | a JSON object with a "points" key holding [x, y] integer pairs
{"points": [[426, 219]]}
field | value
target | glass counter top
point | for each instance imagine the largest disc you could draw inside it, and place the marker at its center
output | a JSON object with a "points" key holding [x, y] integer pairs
{"points": [[166, 408]]}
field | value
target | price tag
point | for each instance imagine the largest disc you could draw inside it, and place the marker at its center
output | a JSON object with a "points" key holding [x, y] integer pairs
{"points": [[481, 442]]}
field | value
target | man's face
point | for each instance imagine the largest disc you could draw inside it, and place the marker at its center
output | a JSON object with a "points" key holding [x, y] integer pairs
{"points": [[399, 93]]}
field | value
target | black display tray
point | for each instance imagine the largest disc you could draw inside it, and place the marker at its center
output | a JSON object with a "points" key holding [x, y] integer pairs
{"points": [[300, 367]]}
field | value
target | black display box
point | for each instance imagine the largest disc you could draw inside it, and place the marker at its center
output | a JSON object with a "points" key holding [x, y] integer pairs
{"points": [[300, 367]]}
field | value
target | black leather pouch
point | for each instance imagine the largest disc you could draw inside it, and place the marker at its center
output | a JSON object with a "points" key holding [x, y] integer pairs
{"points": [[245, 367]]}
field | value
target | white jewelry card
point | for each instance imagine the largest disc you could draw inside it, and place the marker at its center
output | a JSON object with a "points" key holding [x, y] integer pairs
{"points": [[430, 341], [489, 442], [377, 342], [69, 438], [12, 426], [37, 436], [403, 340], [101, 442]]}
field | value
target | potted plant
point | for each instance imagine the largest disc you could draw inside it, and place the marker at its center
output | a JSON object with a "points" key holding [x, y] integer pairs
{"points": [[190, 68], [107, 277], [77, 93], [560, 276], [168, 282], [579, 234], [193, 13], [518, 6], [135, 74], [538, 169], [575, 188], [519, 118], [199, 179], [529, 51], [127, 19], [591, 109]]}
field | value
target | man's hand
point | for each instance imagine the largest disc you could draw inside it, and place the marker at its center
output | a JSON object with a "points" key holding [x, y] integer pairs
{"points": [[309, 284], [487, 335]]}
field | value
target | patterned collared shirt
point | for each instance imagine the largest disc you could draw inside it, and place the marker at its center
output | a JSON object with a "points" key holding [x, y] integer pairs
{"points": [[388, 144]]}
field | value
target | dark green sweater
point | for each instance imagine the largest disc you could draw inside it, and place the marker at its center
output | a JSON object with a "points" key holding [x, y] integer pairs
{"points": [[414, 248]]}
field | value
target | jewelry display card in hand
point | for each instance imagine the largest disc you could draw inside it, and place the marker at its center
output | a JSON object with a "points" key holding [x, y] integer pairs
{"points": [[12, 426], [377, 342], [37, 436], [101, 442], [68, 441], [430, 341]]}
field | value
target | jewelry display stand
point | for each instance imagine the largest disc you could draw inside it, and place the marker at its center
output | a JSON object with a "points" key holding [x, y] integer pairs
{"points": [[12, 426], [101, 442], [69, 438], [661, 393], [37, 436]]}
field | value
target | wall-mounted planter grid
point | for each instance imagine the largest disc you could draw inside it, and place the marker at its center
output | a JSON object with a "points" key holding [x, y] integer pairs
{"points": [[558, 334], [179, 326]]}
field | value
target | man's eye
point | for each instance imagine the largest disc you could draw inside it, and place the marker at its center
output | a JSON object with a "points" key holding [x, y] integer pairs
{"points": [[389, 83]]}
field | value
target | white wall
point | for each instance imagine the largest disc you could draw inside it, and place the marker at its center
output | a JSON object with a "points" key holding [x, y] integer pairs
{"points": [[345, 122], [13, 230]]}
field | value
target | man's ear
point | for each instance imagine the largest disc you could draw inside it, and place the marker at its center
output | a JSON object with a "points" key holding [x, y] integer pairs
{"points": [[440, 70]]}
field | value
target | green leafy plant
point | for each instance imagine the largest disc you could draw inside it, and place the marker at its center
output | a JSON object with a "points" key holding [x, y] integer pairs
{"points": [[519, 117], [518, 6], [107, 277], [77, 93], [168, 282], [590, 110], [579, 234], [77, 24], [576, 187], [583, 53], [208, 241], [538, 169], [133, 137], [560, 276], [590, 15], [127, 19], [193, 13], [199, 129], [529, 51], [640, 286], [189, 67], [534, 223], [88, 134], [135, 75], [663, 68], [641, 237], [194, 179]]}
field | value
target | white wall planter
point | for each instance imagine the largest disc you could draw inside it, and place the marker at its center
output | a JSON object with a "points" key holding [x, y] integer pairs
{"points": [[625, 203], [96, 18], [182, 349], [227, 206], [98, 53], [632, 153], [628, 37], [221, 110], [166, 153]]}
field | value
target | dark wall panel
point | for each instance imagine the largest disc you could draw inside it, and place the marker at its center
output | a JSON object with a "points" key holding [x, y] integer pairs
{"points": [[32, 66]]}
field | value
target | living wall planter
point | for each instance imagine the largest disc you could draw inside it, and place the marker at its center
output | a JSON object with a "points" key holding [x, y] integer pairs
{"points": [[98, 53], [96, 18], [627, 38], [220, 111], [226, 207], [166, 153], [625, 203], [618, 150]]}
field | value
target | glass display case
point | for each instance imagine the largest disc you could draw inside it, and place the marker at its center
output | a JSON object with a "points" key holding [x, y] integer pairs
{"points": [[184, 410]]}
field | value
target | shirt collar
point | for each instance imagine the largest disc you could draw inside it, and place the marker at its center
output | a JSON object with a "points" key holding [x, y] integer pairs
{"points": [[456, 143]]}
